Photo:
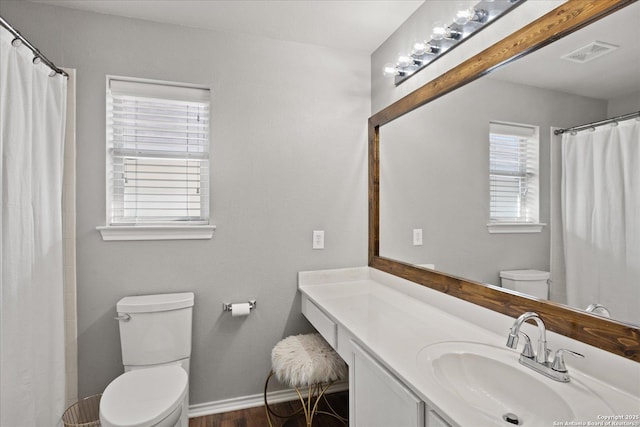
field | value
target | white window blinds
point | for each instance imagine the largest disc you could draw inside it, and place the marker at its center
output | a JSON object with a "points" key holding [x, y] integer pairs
{"points": [[513, 173], [157, 153]]}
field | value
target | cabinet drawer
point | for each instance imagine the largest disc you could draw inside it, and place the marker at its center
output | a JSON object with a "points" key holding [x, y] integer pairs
{"points": [[320, 321]]}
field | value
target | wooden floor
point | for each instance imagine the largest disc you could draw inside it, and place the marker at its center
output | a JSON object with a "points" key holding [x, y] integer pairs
{"points": [[256, 417]]}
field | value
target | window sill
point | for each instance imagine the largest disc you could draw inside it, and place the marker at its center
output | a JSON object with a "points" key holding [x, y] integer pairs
{"points": [[514, 227], [166, 232]]}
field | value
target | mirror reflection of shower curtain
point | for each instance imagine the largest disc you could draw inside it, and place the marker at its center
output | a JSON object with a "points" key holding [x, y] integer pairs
{"points": [[32, 358], [601, 218]]}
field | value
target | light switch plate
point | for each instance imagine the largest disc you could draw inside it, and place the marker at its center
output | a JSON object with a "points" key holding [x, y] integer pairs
{"points": [[318, 239], [417, 237]]}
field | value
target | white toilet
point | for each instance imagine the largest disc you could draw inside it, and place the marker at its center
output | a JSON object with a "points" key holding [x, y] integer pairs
{"points": [[155, 334], [530, 282]]}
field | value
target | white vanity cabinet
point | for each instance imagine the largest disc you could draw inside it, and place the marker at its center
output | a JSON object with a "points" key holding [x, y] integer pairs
{"points": [[391, 333], [377, 398]]}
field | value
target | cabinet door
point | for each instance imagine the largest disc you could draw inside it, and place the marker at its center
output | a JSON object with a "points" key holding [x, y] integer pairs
{"points": [[379, 399]]}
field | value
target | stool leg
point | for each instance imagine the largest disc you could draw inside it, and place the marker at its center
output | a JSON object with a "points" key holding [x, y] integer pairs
{"points": [[316, 392], [268, 409], [322, 395], [333, 412], [306, 406], [309, 405]]}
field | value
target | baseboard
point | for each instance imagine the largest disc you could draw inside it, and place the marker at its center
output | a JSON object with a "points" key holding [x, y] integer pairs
{"points": [[244, 402]]}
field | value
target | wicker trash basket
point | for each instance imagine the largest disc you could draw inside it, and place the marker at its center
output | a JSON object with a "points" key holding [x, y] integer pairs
{"points": [[84, 413]]}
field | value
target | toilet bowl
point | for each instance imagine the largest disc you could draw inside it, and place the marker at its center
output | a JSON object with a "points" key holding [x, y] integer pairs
{"points": [[151, 397], [155, 337], [530, 282]]}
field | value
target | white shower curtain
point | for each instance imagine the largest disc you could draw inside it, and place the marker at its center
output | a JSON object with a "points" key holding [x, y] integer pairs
{"points": [[601, 218], [32, 117]]}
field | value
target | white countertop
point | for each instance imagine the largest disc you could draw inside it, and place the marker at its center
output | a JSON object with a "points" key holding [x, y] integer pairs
{"points": [[395, 319]]}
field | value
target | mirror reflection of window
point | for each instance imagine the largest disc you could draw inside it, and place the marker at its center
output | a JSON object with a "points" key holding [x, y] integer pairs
{"points": [[513, 173]]}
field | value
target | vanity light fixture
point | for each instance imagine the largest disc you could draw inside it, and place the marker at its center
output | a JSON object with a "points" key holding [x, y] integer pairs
{"points": [[467, 21], [441, 31], [420, 48], [470, 14], [407, 61], [391, 69]]}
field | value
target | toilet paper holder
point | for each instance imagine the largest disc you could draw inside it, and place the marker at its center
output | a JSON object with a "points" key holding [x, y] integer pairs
{"points": [[227, 306]]}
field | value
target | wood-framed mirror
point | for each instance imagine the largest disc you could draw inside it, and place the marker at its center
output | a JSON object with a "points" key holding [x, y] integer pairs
{"points": [[614, 336]]}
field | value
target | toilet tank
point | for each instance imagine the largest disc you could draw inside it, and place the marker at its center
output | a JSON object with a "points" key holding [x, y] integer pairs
{"points": [[531, 282], [158, 329]]}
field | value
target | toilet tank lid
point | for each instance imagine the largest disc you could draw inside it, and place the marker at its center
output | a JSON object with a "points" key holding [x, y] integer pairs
{"points": [[152, 303], [525, 275]]}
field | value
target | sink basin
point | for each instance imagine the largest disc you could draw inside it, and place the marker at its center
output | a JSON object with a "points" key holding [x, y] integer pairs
{"points": [[487, 384]]}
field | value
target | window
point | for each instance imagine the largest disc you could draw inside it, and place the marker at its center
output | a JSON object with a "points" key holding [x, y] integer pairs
{"points": [[157, 156], [513, 178]]}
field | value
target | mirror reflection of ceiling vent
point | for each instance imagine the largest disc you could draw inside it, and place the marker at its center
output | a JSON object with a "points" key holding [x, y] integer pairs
{"points": [[590, 52]]}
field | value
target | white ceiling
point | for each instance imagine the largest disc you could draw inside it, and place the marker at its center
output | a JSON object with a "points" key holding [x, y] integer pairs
{"points": [[352, 24], [608, 77]]}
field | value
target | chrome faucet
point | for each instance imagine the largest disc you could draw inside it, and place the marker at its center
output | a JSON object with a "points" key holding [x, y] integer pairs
{"points": [[512, 341], [598, 309], [539, 360]]}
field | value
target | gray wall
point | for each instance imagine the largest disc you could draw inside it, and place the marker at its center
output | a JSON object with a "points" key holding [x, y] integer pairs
{"points": [[447, 143], [289, 156], [624, 105]]}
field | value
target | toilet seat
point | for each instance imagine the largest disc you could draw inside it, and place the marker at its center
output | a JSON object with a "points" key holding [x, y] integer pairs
{"points": [[143, 397]]}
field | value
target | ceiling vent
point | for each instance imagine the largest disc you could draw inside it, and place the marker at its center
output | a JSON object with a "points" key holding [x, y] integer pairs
{"points": [[590, 52]]}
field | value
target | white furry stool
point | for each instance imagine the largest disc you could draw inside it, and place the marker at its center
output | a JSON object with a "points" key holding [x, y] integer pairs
{"points": [[306, 361]]}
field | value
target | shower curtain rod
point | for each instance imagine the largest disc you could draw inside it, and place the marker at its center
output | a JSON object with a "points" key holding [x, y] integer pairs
{"points": [[600, 123], [33, 49]]}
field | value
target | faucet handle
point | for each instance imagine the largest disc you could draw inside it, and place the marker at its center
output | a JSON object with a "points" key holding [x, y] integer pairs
{"points": [[527, 351], [558, 359], [512, 340]]}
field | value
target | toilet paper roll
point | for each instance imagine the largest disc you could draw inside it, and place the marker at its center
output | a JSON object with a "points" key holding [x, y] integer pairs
{"points": [[241, 309]]}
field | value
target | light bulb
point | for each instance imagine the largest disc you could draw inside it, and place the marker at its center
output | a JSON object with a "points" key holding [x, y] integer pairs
{"points": [[390, 70], [441, 31], [438, 32], [419, 48], [464, 15], [405, 60]]}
